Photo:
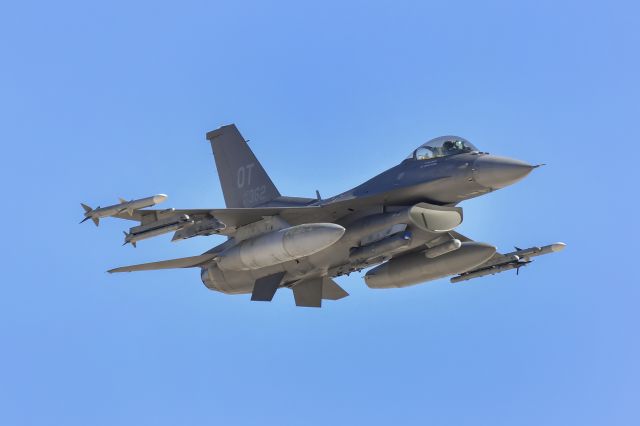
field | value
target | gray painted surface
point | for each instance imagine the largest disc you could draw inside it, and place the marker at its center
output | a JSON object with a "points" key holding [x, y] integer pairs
{"points": [[402, 220], [244, 181]]}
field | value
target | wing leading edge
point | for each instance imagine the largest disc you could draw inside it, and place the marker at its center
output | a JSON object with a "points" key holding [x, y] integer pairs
{"points": [[184, 262]]}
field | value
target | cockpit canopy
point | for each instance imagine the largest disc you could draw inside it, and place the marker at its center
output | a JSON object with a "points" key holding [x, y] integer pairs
{"points": [[442, 147]]}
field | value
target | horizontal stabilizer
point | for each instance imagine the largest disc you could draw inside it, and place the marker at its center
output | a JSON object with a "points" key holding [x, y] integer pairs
{"points": [[184, 262]]}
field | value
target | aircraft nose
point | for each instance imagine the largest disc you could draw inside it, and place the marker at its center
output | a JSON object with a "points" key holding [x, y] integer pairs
{"points": [[497, 172]]}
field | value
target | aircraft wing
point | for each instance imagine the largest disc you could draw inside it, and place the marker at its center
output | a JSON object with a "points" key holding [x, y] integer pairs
{"points": [[184, 262], [188, 223], [501, 262], [234, 217]]}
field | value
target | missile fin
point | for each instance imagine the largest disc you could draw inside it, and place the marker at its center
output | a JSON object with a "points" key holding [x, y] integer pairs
{"points": [[87, 215], [126, 240], [96, 220], [122, 200]]}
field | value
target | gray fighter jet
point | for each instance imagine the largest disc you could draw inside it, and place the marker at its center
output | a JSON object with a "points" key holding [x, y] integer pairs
{"points": [[402, 220]]}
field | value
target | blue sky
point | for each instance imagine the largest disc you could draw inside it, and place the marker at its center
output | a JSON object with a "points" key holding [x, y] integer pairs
{"points": [[105, 100]]}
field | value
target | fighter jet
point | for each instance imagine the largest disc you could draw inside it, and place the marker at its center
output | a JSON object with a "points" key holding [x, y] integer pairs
{"points": [[401, 223]]}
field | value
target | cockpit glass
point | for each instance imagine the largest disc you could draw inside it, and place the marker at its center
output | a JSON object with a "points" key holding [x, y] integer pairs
{"points": [[442, 147]]}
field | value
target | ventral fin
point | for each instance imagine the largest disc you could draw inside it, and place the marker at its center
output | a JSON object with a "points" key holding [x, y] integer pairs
{"points": [[265, 288], [308, 292], [331, 290]]}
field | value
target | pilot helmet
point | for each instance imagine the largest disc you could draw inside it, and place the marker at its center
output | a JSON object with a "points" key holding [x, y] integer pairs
{"points": [[448, 146]]}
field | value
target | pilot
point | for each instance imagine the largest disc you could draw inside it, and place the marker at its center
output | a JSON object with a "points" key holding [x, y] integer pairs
{"points": [[449, 147]]}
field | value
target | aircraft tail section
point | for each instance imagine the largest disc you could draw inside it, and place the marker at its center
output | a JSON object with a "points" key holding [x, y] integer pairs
{"points": [[244, 181]]}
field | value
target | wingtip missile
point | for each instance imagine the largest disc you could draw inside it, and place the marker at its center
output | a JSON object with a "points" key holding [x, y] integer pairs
{"points": [[158, 198], [131, 206], [89, 214], [124, 206]]}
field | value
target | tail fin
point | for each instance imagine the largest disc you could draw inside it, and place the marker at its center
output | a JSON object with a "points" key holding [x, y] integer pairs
{"points": [[87, 215], [243, 179]]}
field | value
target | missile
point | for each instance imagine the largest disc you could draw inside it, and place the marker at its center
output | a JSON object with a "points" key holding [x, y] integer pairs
{"points": [[384, 246], [201, 227], [538, 251], [124, 206], [488, 271], [443, 248], [156, 228], [280, 246], [513, 260]]}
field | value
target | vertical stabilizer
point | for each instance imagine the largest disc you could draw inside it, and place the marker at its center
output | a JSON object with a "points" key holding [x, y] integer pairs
{"points": [[243, 179]]}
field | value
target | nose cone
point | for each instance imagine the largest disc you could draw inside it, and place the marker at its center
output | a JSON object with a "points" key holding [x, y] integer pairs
{"points": [[159, 198], [497, 172]]}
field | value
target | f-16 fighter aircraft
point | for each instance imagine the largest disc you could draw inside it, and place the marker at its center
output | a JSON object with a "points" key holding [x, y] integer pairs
{"points": [[402, 222]]}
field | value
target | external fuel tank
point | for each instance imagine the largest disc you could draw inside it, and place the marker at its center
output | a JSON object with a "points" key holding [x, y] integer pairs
{"points": [[280, 246], [416, 268]]}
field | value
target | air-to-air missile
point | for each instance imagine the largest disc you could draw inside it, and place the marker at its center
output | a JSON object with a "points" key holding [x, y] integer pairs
{"points": [[124, 206], [513, 260], [280, 246], [201, 227], [383, 247], [444, 248], [156, 228]]}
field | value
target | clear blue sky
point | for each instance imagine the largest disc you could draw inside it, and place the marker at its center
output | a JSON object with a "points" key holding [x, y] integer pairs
{"points": [[105, 100]]}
